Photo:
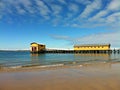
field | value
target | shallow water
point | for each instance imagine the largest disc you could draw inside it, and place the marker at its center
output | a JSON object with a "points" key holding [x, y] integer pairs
{"points": [[22, 58]]}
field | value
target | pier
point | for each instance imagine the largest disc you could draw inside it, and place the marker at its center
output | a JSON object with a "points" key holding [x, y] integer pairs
{"points": [[83, 51], [80, 51]]}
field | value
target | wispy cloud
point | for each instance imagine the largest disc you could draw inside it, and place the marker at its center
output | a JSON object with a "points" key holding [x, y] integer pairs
{"points": [[27, 4], [61, 37], [85, 2], [20, 10], [73, 7], [62, 1], [113, 18], [107, 16], [2, 8], [43, 9], [73, 13], [114, 5], [68, 13], [91, 8], [56, 9], [101, 38], [99, 16], [56, 14], [73, 10], [93, 39]]}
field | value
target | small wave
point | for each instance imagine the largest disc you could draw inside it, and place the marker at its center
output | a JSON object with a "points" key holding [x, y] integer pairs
{"points": [[54, 65], [15, 67]]}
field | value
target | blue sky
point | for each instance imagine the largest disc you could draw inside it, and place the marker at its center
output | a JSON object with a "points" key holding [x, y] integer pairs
{"points": [[59, 23]]}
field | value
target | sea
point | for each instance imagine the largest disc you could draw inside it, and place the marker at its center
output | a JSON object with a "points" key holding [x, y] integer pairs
{"points": [[25, 58]]}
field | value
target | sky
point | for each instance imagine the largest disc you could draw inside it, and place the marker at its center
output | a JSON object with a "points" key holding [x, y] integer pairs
{"points": [[59, 23]]}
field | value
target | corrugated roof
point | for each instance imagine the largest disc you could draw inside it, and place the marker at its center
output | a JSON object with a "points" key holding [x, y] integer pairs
{"points": [[37, 43], [33, 43], [91, 45]]}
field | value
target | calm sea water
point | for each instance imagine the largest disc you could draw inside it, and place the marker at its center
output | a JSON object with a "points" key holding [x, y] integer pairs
{"points": [[23, 58]]}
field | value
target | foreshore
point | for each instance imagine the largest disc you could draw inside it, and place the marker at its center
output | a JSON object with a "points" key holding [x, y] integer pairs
{"points": [[96, 76]]}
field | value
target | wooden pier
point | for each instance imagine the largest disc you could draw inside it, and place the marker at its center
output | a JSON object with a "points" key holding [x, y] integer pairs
{"points": [[87, 48], [80, 51]]}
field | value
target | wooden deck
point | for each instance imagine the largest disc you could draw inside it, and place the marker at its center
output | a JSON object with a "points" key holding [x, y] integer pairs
{"points": [[79, 51]]}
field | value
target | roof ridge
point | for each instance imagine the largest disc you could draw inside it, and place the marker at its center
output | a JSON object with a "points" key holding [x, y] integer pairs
{"points": [[90, 44]]}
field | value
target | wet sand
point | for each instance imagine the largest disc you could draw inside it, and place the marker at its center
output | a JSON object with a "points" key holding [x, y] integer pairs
{"points": [[100, 76]]}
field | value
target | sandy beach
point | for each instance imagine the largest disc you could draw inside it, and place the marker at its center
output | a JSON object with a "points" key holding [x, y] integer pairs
{"points": [[99, 76]]}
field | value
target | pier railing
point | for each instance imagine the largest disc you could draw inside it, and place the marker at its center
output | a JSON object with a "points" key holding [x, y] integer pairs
{"points": [[82, 51]]}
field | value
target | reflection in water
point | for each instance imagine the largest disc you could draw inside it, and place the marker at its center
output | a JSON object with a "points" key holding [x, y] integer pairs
{"points": [[86, 59], [93, 56], [37, 59], [68, 58], [32, 54], [25, 58], [104, 57]]}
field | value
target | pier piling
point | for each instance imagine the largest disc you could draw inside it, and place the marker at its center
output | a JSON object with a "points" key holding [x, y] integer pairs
{"points": [[81, 51]]}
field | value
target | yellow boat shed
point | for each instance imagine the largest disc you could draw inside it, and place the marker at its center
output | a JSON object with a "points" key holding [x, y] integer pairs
{"points": [[35, 47], [92, 47]]}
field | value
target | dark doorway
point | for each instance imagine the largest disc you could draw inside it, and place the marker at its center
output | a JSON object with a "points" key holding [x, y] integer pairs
{"points": [[34, 49]]}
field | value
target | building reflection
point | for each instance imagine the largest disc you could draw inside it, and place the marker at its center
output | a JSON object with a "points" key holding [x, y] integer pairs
{"points": [[34, 54], [96, 60], [37, 59], [102, 56]]}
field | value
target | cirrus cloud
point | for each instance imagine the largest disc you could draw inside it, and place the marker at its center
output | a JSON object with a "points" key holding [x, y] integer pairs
{"points": [[77, 13], [93, 39]]}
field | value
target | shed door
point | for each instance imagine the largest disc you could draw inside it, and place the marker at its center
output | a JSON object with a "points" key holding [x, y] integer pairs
{"points": [[34, 49]]}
